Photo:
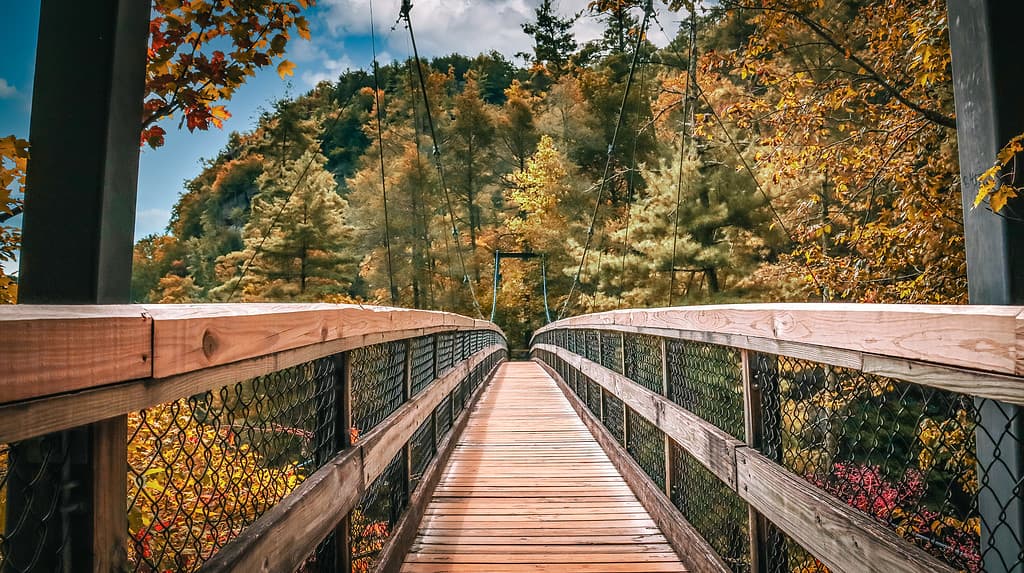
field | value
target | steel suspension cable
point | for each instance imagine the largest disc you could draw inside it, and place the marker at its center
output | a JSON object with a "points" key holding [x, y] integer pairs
{"points": [[380, 147], [691, 82], [641, 36], [425, 221], [406, 8], [629, 191]]}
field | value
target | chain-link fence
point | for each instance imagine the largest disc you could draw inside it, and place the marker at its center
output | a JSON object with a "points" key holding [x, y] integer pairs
{"points": [[921, 461], [202, 468]]}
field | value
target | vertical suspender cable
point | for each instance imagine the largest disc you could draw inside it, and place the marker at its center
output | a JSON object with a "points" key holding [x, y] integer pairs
{"points": [[648, 7], [688, 105], [629, 193], [406, 8], [380, 147]]}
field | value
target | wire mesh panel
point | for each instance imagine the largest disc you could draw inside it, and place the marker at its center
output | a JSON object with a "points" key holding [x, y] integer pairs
{"points": [[378, 511], [903, 454], [443, 416], [611, 350], [613, 419], [378, 383], [646, 443], [783, 555], [422, 363], [594, 397], [421, 450], [30, 502], [707, 379], [714, 510], [445, 352], [643, 361], [204, 467], [592, 345]]}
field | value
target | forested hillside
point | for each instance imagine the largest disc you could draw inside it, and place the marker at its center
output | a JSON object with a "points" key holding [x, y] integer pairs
{"points": [[785, 150]]}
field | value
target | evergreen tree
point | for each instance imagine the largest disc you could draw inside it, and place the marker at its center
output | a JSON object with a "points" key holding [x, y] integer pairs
{"points": [[553, 39], [297, 237]]}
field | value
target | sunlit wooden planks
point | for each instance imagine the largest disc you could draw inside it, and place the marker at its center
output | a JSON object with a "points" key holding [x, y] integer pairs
{"points": [[528, 489]]}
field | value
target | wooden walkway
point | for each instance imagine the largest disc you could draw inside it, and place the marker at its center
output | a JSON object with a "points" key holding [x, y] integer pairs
{"points": [[528, 489]]}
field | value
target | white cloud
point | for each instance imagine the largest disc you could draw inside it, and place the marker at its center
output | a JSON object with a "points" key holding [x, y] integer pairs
{"points": [[7, 91]]}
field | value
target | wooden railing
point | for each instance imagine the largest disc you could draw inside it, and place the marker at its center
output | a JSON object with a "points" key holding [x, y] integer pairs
{"points": [[323, 424], [803, 437]]}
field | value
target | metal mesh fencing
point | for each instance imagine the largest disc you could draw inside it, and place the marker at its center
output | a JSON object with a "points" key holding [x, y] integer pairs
{"points": [[714, 510], [901, 453], [592, 345], [643, 361], [422, 363], [421, 451], [443, 416], [30, 502], [378, 383], [783, 555], [372, 520], [202, 468], [445, 352], [646, 443], [707, 379], [611, 350], [614, 416], [594, 397]]}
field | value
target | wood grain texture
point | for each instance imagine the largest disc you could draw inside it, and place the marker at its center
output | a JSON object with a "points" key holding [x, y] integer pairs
{"points": [[287, 533], [846, 540], [986, 338], [397, 545], [505, 502], [693, 550], [110, 482], [53, 349], [712, 447], [191, 337]]}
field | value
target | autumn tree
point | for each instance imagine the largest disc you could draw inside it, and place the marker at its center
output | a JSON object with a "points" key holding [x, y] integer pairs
{"points": [[472, 153], [296, 238], [13, 163], [189, 72]]}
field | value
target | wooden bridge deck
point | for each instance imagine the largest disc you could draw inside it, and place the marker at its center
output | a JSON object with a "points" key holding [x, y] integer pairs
{"points": [[528, 489]]}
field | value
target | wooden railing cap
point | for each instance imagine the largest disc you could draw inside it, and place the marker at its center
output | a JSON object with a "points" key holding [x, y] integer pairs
{"points": [[986, 338]]}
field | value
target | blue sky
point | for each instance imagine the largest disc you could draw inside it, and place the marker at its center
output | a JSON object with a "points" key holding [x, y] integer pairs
{"points": [[340, 41]]}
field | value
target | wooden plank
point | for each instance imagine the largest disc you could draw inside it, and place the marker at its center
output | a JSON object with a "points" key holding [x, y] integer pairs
{"points": [[691, 547], [840, 536], [528, 486], [21, 420], [54, 349], [110, 482], [191, 337], [404, 532], [287, 533], [976, 337], [712, 447], [381, 447]]}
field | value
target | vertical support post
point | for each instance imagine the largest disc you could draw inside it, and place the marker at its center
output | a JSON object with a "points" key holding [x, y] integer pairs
{"points": [[987, 80], [752, 431], [622, 349], [407, 395], [77, 242], [342, 533], [668, 440]]}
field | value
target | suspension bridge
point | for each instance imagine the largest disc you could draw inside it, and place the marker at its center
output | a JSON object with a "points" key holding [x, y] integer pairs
{"points": [[743, 438]]}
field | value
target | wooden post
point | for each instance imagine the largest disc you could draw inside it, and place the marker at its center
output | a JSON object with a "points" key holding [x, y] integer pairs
{"points": [[987, 78], [668, 440], [622, 349], [77, 239], [752, 429]]}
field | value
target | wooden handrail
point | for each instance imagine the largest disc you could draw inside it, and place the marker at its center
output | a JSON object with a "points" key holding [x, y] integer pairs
{"points": [[287, 533], [841, 536], [52, 350], [976, 350]]}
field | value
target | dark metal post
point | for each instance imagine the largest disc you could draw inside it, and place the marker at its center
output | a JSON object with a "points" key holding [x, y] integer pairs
{"points": [[988, 76], [77, 249]]}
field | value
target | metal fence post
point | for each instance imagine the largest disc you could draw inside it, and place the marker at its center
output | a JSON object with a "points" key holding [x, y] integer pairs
{"points": [[752, 429], [668, 440]]}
